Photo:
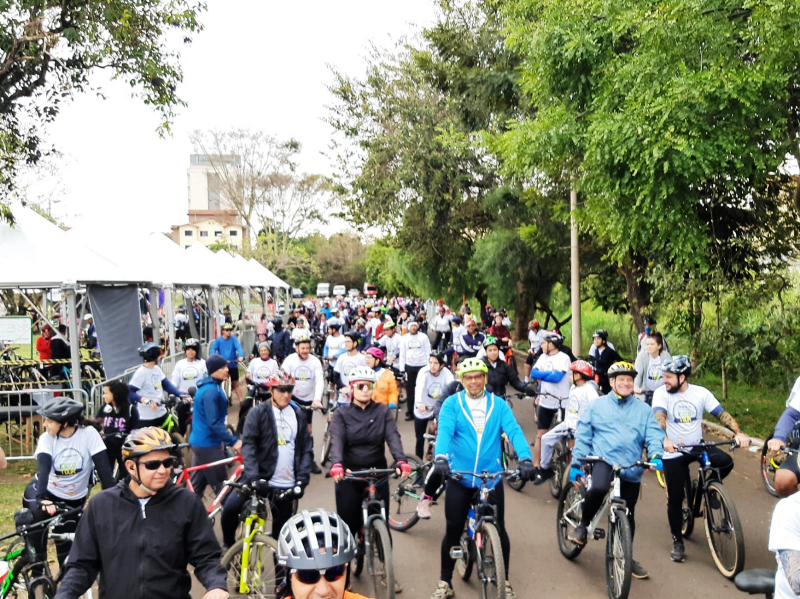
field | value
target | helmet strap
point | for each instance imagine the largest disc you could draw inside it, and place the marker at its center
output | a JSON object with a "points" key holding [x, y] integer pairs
{"points": [[138, 481]]}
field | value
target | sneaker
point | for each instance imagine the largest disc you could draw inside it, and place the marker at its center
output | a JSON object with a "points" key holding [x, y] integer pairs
{"points": [[398, 588], [424, 508], [578, 535], [315, 469], [637, 571], [678, 550], [409, 417], [443, 591], [542, 476], [510, 594]]}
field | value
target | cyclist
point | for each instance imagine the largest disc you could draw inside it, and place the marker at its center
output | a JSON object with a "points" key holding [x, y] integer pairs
{"points": [[415, 347], [386, 391], [277, 449], [390, 342], [500, 373], [431, 383], [606, 356], [209, 435], [784, 541], [334, 344], [500, 332], [282, 345], [678, 408], [441, 326], [67, 454], [347, 361], [359, 433], [187, 374], [115, 418], [229, 348], [648, 365], [581, 394], [261, 338], [472, 340], [458, 332], [141, 535], [551, 369], [787, 477], [464, 420], [616, 427], [317, 548], [147, 387], [261, 368], [534, 338]]}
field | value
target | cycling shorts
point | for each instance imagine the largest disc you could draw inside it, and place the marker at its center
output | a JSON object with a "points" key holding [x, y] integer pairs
{"points": [[234, 372], [546, 417], [792, 464]]}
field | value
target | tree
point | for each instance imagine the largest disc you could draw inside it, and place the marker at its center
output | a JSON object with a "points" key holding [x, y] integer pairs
{"points": [[50, 49]]}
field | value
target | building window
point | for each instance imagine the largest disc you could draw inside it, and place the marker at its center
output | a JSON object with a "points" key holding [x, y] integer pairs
{"points": [[188, 233], [186, 247], [217, 233], [203, 233], [233, 233]]}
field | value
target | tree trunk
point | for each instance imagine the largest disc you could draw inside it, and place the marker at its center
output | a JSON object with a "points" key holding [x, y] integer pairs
{"points": [[522, 313], [482, 295], [637, 292]]}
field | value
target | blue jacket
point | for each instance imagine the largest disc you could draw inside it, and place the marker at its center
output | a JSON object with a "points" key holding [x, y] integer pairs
{"points": [[282, 344], [617, 429], [229, 349], [210, 409], [457, 439]]}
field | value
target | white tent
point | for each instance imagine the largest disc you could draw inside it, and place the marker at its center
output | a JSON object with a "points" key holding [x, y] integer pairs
{"points": [[271, 280]]}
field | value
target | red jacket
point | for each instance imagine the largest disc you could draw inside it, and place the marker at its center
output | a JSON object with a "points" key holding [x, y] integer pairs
{"points": [[43, 347]]}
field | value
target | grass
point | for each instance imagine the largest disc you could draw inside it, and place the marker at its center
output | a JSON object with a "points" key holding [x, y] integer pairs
{"points": [[14, 480]]}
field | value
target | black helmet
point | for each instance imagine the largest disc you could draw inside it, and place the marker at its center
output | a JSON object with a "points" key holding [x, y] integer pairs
{"points": [[678, 365], [440, 357], [334, 325], [192, 343], [602, 333], [554, 338], [649, 320], [353, 336], [62, 409], [150, 351]]}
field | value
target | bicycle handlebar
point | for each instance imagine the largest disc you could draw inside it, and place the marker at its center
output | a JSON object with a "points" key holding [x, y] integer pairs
{"points": [[732, 442], [591, 459], [252, 487], [484, 476], [369, 474]]}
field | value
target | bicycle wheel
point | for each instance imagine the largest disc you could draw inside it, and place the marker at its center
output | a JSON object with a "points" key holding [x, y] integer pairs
{"points": [[724, 530], [619, 555], [558, 465], [259, 577], [687, 509], [492, 566], [570, 508], [184, 455], [465, 563], [381, 565], [512, 463], [359, 565], [402, 512], [768, 470], [325, 450]]}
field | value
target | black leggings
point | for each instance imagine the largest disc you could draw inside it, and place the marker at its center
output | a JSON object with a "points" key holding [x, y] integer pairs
{"points": [[457, 502], [411, 388], [39, 539], [208, 476], [349, 494], [676, 471], [281, 512], [443, 338], [420, 428], [601, 483]]}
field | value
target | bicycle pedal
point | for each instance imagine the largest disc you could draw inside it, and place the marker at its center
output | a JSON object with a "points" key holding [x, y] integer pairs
{"points": [[456, 552], [599, 533]]}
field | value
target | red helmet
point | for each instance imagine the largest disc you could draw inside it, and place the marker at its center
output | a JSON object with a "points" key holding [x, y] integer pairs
{"points": [[583, 368], [281, 379], [535, 324]]}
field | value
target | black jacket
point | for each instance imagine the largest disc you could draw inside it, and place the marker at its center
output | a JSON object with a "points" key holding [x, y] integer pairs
{"points": [[260, 445], [601, 365], [282, 344], [500, 375], [143, 552], [358, 436]]}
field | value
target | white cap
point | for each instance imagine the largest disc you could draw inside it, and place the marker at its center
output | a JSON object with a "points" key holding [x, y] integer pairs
{"points": [[87, 316]]}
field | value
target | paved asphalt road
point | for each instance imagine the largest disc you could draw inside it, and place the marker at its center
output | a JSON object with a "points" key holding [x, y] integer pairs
{"points": [[538, 568]]}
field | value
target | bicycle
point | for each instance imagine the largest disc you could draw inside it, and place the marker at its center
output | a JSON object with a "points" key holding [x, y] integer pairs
{"points": [[619, 542], [768, 469], [759, 581], [722, 525], [560, 463], [251, 561], [480, 542], [373, 539], [184, 479], [402, 514], [171, 424]]}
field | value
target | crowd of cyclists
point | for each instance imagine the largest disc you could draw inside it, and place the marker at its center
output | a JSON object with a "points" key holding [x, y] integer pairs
{"points": [[142, 532]]}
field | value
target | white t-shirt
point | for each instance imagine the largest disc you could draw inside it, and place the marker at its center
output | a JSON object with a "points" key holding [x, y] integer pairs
{"points": [[558, 362], [286, 426], [298, 333], [390, 345], [784, 534], [186, 373], [685, 414], [477, 409], [414, 350], [335, 345], [428, 391], [345, 364], [308, 376], [654, 378], [579, 398], [72, 461], [458, 332], [535, 340], [148, 381], [260, 370], [794, 396]]}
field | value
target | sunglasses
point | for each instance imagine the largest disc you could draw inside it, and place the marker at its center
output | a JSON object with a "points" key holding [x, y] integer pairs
{"points": [[156, 464], [363, 386], [313, 576], [283, 389]]}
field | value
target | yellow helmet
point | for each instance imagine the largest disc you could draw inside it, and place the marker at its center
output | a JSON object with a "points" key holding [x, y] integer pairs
{"points": [[143, 441], [472, 365], [618, 368]]}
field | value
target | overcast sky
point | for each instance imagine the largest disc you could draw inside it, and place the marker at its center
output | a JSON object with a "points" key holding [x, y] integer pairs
{"points": [[258, 64]]}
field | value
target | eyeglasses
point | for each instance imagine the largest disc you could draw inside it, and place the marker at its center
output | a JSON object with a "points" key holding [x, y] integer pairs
{"points": [[363, 386], [473, 377], [156, 464], [313, 576], [283, 389]]}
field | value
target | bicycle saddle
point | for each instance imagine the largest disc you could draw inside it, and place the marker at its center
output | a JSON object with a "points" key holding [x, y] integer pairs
{"points": [[756, 582]]}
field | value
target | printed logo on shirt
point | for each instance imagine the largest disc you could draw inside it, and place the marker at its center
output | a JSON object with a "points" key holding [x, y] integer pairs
{"points": [[479, 418], [573, 406], [303, 373], [67, 462], [683, 411], [263, 372], [190, 373], [348, 367], [414, 344], [435, 391], [654, 374]]}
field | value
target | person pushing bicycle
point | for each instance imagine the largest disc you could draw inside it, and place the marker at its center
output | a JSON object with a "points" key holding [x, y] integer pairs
{"points": [[141, 535], [678, 408], [470, 425], [615, 427]]}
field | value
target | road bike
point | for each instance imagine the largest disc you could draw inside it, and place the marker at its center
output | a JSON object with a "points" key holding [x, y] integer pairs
{"points": [[722, 524], [480, 542], [619, 540], [759, 581], [374, 543], [184, 479], [251, 561]]}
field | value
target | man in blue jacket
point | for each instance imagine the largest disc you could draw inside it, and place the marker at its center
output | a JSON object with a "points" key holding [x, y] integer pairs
{"points": [[209, 435], [615, 427], [468, 438], [229, 348]]}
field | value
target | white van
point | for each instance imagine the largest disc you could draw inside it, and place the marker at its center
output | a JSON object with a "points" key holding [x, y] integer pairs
{"points": [[339, 290], [323, 289], [297, 293]]}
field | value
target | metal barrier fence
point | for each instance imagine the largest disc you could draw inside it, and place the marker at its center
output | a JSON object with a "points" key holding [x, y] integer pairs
{"points": [[21, 425]]}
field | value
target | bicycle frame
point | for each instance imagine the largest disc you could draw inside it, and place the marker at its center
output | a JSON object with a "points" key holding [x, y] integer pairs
{"points": [[705, 472], [216, 505], [371, 477]]}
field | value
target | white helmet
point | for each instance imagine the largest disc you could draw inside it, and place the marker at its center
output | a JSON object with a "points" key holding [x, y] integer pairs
{"points": [[362, 373], [88, 316]]}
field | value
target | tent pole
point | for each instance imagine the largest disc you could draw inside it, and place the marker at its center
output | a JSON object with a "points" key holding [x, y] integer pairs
{"points": [[154, 313], [214, 311], [169, 315], [74, 339]]}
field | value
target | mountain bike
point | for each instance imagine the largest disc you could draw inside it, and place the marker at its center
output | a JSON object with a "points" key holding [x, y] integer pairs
{"points": [[480, 542], [171, 424], [251, 561], [759, 581], [184, 479], [619, 541], [768, 469], [560, 463], [402, 513], [374, 542], [510, 457], [722, 524]]}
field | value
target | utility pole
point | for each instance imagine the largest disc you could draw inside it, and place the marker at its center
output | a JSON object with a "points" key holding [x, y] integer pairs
{"points": [[575, 270]]}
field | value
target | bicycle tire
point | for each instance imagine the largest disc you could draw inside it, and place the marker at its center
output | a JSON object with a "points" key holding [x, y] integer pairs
{"points": [[727, 543], [266, 552], [512, 463], [466, 562], [381, 564], [689, 492], [40, 592], [570, 508], [403, 499], [558, 465], [184, 455], [619, 555], [492, 569], [768, 470], [325, 450]]}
